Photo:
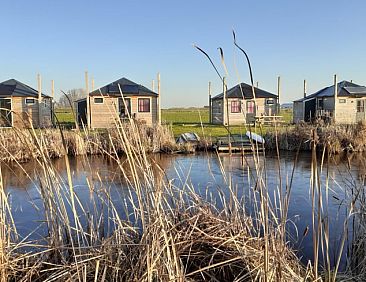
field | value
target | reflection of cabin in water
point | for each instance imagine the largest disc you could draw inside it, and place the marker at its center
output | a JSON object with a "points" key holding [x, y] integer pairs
{"points": [[20, 106], [107, 104], [343, 102], [240, 107]]}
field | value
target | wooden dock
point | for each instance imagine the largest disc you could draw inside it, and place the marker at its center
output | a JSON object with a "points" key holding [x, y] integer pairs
{"points": [[237, 143]]}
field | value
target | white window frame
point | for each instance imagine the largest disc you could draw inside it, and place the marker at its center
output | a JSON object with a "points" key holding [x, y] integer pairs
{"points": [[150, 105], [270, 102], [98, 98], [30, 103]]}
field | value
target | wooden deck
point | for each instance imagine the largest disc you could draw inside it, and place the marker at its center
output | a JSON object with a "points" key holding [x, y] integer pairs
{"points": [[268, 120], [237, 143]]}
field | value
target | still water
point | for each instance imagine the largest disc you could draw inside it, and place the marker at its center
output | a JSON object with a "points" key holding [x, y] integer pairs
{"points": [[208, 173]]}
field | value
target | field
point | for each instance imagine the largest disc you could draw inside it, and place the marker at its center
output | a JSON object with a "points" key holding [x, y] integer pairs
{"points": [[65, 117], [196, 120], [182, 120]]}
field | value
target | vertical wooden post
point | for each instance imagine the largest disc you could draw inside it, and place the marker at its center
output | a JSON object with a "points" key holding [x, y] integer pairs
{"points": [[52, 105], [88, 112], [224, 102], [335, 97], [278, 95], [53, 89], [226, 116], [159, 100], [304, 88], [209, 103], [92, 84], [39, 79]]}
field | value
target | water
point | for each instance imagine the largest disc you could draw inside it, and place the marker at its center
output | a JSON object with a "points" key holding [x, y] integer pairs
{"points": [[204, 172]]}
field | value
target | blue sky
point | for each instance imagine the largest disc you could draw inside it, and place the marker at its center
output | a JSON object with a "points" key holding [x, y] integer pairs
{"points": [[136, 39]]}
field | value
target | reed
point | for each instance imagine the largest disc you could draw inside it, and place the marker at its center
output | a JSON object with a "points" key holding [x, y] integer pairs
{"points": [[164, 232], [20, 144], [336, 138]]}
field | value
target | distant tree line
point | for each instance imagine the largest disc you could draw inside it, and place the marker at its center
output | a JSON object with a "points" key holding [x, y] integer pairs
{"points": [[70, 97]]}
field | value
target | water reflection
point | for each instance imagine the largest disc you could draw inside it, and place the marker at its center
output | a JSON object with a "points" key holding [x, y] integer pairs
{"points": [[207, 173]]}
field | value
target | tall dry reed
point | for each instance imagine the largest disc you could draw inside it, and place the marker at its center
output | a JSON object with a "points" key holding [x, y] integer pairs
{"points": [[162, 232]]}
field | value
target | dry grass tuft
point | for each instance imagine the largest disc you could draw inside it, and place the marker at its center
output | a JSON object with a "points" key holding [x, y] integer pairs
{"points": [[335, 138]]}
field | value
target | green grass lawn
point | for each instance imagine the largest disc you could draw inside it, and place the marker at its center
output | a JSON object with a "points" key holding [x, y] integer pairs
{"points": [[188, 120], [184, 120], [65, 117], [184, 116]]}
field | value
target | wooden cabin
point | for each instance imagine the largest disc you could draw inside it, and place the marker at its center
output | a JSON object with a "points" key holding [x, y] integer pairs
{"points": [[107, 104], [342, 103], [20, 106], [240, 107]]}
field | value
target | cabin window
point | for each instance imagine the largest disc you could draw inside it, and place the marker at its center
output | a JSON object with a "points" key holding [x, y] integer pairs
{"points": [[270, 102], [144, 105], [342, 101], [250, 107], [235, 106], [29, 101], [360, 106], [98, 100]]}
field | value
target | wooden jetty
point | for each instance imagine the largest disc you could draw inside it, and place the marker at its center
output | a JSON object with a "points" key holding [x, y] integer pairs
{"points": [[238, 143]]}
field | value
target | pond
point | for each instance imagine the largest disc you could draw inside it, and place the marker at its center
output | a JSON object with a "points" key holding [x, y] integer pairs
{"points": [[207, 173]]}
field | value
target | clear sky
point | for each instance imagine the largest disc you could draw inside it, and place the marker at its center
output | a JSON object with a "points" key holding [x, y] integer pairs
{"points": [[136, 39]]}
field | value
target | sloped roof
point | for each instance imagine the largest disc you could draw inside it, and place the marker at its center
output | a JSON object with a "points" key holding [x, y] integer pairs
{"points": [[344, 89], [246, 89], [15, 88], [127, 87]]}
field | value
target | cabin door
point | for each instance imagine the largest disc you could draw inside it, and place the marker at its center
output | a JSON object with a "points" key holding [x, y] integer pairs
{"points": [[310, 110], [82, 112], [251, 112], [124, 108], [6, 117], [360, 113]]}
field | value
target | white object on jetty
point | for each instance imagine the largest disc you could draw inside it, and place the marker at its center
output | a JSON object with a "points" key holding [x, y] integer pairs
{"points": [[255, 137], [188, 137]]}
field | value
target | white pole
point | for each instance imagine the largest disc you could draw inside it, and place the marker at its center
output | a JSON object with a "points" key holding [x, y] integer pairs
{"points": [[52, 106], [278, 94], [159, 100], [88, 113], [209, 103], [335, 97], [224, 102], [39, 100]]}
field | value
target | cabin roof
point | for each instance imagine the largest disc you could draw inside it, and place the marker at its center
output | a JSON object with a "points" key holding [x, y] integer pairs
{"points": [[15, 88], [345, 89], [127, 86], [246, 89]]}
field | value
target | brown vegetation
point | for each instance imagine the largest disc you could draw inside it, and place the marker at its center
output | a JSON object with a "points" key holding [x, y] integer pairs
{"points": [[335, 138], [22, 145], [164, 232]]}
